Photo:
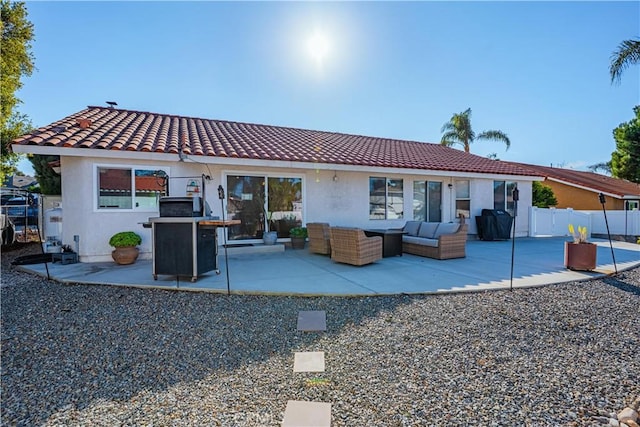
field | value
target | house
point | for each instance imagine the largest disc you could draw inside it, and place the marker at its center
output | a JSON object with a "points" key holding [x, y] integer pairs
{"points": [[580, 190], [115, 163], [19, 182]]}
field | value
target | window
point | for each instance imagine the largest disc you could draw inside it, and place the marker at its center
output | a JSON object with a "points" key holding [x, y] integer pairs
{"points": [[463, 198], [427, 201], [503, 195], [130, 188], [386, 198]]}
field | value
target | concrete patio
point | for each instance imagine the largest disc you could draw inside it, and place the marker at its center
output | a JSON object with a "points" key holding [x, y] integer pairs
{"points": [[537, 261]]}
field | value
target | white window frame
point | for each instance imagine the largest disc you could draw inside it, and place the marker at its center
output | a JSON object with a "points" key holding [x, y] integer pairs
{"points": [[132, 168], [387, 204], [458, 186]]}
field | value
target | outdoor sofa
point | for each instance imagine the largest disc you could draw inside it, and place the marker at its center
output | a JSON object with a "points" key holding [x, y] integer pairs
{"points": [[439, 240], [352, 246]]}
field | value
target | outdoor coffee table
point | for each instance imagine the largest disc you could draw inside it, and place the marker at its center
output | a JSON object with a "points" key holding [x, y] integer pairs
{"points": [[391, 240]]}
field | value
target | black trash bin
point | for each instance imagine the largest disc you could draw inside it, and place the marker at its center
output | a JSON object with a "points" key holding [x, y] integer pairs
{"points": [[494, 224]]}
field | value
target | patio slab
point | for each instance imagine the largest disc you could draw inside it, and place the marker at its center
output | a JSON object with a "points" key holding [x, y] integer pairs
{"points": [[537, 261]]}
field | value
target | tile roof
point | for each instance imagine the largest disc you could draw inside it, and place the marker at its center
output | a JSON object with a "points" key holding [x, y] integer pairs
{"points": [[598, 183], [108, 128]]}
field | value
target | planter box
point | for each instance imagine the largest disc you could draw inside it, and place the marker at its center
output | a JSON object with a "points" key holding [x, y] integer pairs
{"points": [[580, 256]]}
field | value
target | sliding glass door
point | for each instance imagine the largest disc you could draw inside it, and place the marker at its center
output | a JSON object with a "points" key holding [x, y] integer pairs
{"points": [[263, 203], [427, 201]]}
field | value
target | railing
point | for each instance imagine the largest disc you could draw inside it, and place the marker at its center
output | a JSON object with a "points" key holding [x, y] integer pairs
{"points": [[20, 216], [555, 222]]}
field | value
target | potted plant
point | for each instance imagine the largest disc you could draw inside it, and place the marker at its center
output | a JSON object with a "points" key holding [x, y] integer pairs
{"points": [[125, 244], [298, 237], [579, 254]]}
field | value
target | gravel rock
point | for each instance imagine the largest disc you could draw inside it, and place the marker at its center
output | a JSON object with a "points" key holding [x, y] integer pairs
{"points": [[103, 356]]}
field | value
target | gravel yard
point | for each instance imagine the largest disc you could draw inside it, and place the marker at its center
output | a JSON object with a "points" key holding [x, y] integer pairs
{"points": [[558, 355]]}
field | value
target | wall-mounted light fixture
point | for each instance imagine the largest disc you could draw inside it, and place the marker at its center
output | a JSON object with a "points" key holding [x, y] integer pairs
{"points": [[450, 185], [335, 177]]}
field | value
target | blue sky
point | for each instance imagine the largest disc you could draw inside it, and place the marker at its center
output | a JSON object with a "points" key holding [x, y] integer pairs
{"points": [[538, 71]]}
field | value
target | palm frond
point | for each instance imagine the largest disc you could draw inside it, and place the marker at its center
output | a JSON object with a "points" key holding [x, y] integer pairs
{"points": [[628, 52], [447, 127], [450, 138], [605, 166], [496, 135]]}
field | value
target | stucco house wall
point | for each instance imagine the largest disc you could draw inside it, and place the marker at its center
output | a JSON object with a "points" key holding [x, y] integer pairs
{"points": [[579, 198], [342, 201]]}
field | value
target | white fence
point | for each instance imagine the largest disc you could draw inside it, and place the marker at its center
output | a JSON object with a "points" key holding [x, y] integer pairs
{"points": [[555, 222]]}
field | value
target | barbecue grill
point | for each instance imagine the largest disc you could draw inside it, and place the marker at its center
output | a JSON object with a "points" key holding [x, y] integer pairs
{"points": [[185, 238]]}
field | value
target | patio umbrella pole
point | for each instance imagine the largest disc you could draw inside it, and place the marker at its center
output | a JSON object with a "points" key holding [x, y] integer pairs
{"points": [[603, 201], [224, 236], [516, 196]]}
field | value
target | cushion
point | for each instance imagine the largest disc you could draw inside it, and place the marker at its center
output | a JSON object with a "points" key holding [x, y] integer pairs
{"points": [[446, 228], [411, 228], [420, 241], [428, 229]]}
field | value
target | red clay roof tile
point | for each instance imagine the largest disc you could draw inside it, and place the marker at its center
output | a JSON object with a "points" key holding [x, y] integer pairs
{"points": [[591, 180], [127, 130]]}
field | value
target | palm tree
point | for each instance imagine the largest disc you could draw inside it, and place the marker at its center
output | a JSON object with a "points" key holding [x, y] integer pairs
{"points": [[458, 131], [628, 53]]}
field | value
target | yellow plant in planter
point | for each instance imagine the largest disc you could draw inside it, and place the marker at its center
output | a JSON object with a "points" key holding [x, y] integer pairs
{"points": [[580, 236], [579, 254]]}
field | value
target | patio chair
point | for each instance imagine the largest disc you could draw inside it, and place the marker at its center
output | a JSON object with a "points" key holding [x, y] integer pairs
{"points": [[319, 239], [352, 246]]}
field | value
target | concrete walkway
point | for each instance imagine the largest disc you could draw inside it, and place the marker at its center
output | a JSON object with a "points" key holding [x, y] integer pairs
{"points": [[537, 261]]}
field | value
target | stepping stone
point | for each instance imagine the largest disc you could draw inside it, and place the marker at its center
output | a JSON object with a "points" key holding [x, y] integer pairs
{"points": [[307, 414], [312, 321], [309, 361]]}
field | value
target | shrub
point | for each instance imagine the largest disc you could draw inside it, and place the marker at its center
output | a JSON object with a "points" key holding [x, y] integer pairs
{"points": [[298, 232], [125, 238]]}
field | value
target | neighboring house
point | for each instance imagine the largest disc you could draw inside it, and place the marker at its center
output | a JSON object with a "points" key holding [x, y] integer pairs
{"points": [[580, 190], [20, 182], [112, 162]]}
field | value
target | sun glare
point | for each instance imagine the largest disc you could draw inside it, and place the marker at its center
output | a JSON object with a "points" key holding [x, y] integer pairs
{"points": [[318, 46]]}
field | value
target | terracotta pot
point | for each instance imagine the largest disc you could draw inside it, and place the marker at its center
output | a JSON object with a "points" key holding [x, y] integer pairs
{"points": [[125, 255], [297, 242], [580, 256]]}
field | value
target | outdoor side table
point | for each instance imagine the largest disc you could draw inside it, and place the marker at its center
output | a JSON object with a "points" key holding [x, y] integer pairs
{"points": [[391, 241]]}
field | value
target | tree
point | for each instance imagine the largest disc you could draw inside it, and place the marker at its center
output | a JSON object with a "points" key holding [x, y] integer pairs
{"points": [[16, 125], [628, 53], [543, 196], [458, 131], [625, 161], [49, 181], [16, 61]]}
